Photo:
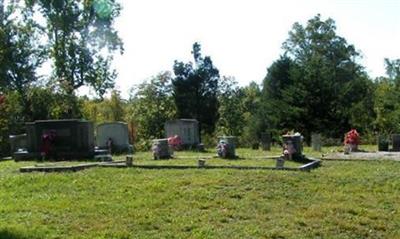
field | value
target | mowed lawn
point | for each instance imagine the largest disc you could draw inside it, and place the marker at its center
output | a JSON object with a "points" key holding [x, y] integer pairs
{"points": [[356, 199]]}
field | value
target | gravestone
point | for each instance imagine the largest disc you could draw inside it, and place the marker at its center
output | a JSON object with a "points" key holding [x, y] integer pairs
{"points": [[316, 142], [71, 139], [383, 143], [296, 140], [226, 146], [186, 129], [396, 142], [266, 141], [280, 162], [161, 149], [117, 132], [18, 142]]}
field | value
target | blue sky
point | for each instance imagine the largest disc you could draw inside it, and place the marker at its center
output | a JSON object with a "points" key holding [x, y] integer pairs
{"points": [[244, 37]]}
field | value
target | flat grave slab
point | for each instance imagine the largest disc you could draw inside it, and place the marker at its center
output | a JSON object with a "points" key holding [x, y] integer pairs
{"points": [[395, 156]]}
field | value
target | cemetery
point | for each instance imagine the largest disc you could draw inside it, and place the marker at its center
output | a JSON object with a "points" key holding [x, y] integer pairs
{"points": [[162, 149], [186, 172], [101, 137]]}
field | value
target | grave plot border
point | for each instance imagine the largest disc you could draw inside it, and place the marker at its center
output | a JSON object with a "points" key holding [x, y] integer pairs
{"points": [[312, 164]]}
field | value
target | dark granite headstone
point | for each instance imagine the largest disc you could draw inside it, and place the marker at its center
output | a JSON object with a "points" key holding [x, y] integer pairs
{"points": [[396, 142], [383, 143], [72, 139], [266, 141]]}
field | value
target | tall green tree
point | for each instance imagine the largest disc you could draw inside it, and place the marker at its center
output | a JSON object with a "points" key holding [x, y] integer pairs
{"points": [[11, 121], [231, 118], [387, 97], [320, 83], [276, 101], [255, 119], [81, 40], [20, 56], [20, 50], [386, 106], [104, 110], [113, 109], [195, 90]]}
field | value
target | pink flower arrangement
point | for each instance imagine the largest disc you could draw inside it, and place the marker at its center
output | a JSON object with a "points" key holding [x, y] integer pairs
{"points": [[352, 137], [175, 142]]}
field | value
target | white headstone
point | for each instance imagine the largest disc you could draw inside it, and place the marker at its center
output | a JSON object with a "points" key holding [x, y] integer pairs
{"points": [[186, 129], [117, 132]]}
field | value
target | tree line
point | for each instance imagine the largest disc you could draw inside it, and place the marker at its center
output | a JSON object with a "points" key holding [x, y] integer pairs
{"points": [[316, 85]]}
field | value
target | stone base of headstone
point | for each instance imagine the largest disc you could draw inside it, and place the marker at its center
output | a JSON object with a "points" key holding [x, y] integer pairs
{"points": [[23, 155], [129, 160], [161, 149], [349, 148], [103, 157], [280, 162], [201, 163]]}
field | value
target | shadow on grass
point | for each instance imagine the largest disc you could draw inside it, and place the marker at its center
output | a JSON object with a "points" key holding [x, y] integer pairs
{"points": [[8, 234]]}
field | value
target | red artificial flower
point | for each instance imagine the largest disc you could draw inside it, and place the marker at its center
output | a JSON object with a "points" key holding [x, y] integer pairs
{"points": [[352, 137]]}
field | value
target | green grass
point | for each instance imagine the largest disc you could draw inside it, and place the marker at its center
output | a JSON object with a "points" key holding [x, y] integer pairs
{"points": [[338, 200]]}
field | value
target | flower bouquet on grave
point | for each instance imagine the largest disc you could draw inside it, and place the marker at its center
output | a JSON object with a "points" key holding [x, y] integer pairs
{"points": [[222, 149], [175, 142], [351, 141]]}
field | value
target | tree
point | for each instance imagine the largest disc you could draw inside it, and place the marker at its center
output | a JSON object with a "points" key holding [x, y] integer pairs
{"points": [[315, 89], [255, 121], [386, 106], [104, 110], [150, 106], [231, 118], [113, 109], [20, 51], [195, 90], [81, 40], [276, 102], [387, 96], [393, 70]]}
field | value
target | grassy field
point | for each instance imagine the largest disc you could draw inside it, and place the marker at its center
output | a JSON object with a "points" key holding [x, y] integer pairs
{"points": [[338, 200]]}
